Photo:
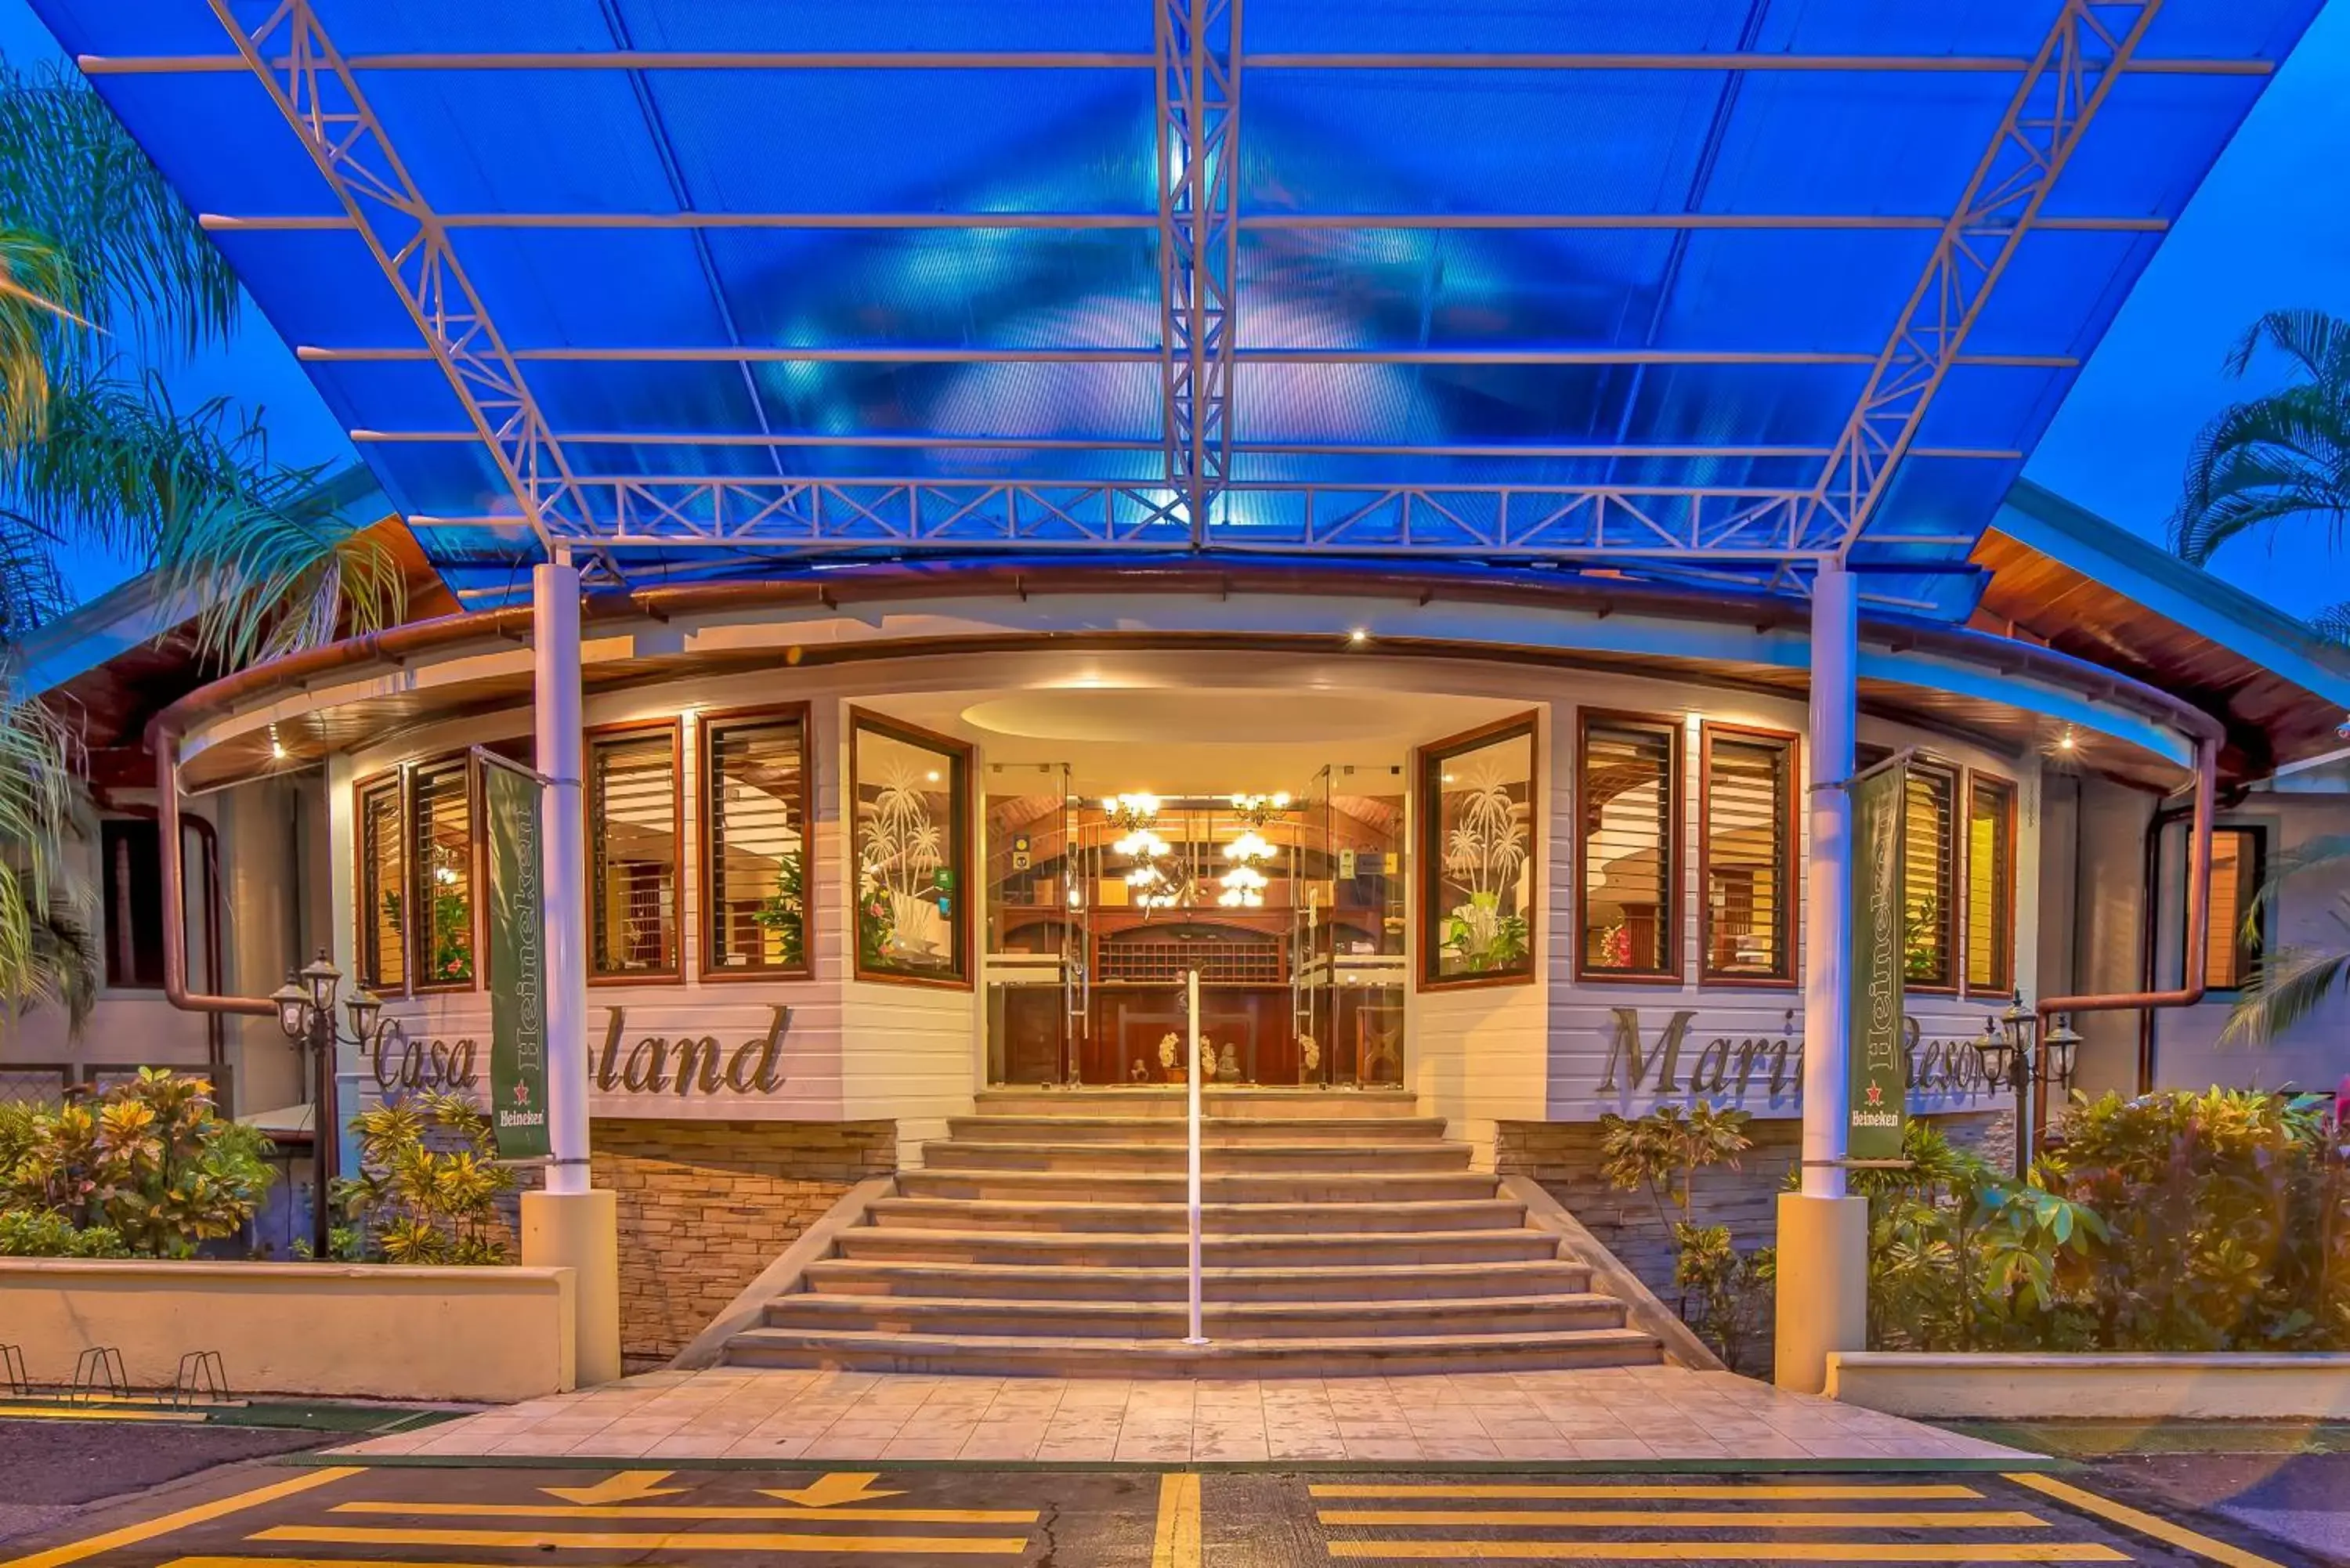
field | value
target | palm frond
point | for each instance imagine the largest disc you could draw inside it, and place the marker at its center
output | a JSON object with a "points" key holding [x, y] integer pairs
{"points": [[42, 810], [2288, 986], [2327, 849], [2283, 454], [36, 289], [2333, 623], [197, 493], [144, 270]]}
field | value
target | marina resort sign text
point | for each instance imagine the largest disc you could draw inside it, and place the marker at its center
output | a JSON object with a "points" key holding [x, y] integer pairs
{"points": [[1674, 1062], [681, 1067]]}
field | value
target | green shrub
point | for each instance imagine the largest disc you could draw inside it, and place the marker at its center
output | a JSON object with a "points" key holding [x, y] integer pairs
{"points": [[41, 1234], [150, 1159], [1723, 1292], [428, 1185]]}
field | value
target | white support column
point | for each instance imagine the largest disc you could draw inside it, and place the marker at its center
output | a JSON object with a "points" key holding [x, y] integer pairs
{"points": [[569, 1224], [1823, 1240]]}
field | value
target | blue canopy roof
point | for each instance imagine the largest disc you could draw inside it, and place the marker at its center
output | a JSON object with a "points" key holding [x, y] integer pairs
{"points": [[1701, 287]]}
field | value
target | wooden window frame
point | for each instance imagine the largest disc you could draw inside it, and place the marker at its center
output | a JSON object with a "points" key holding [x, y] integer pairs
{"points": [[477, 873], [958, 852], [675, 971], [1963, 855], [1429, 851], [1791, 937], [2255, 876], [1674, 970], [1952, 890], [706, 783], [361, 939]]}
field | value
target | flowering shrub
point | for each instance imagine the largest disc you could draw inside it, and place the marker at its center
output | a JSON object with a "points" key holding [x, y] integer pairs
{"points": [[150, 1161]]}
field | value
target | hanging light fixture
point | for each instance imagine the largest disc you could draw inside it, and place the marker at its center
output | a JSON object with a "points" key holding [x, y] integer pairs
{"points": [[1127, 812]]}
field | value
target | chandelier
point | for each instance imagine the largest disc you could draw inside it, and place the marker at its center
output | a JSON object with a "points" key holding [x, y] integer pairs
{"points": [[1244, 884], [1156, 880], [1257, 810], [1127, 812]]}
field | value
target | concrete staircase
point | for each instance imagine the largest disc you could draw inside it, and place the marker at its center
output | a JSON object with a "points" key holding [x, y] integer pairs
{"points": [[1343, 1234]]}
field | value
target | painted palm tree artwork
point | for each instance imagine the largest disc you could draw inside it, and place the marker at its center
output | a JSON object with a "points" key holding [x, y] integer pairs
{"points": [[904, 873], [1485, 849]]}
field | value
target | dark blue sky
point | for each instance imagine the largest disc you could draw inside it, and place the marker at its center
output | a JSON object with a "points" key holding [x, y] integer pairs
{"points": [[2268, 229]]}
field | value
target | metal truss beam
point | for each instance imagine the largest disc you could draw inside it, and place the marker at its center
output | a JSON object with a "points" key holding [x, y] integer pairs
{"points": [[942, 441], [1197, 144], [1870, 222], [726, 353], [315, 90], [1619, 521], [2091, 43], [1073, 60]]}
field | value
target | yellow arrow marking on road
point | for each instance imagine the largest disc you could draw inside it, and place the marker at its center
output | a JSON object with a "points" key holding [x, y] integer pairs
{"points": [[628, 1486], [843, 1486]]}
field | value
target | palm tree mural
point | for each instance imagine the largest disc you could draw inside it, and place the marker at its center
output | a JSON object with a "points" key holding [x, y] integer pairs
{"points": [[106, 282], [2280, 457]]}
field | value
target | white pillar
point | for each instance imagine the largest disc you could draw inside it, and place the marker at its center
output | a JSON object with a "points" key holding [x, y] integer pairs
{"points": [[555, 648], [1827, 881], [1823, 1238], [568, 1225]]}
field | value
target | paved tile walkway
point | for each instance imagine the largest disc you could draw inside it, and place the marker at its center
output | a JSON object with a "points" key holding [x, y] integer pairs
{"points": [[1632, 1413]]}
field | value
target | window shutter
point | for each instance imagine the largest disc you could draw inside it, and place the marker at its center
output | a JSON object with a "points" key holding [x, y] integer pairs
{"points": [[632, 832], [1990, 885], [443, 873], [383, 957], [1748, 900], [758, 865], [1928, 883], [1629, 791]]}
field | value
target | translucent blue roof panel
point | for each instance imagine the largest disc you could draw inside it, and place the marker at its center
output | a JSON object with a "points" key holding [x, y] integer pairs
{"points": [[1477, 249]]}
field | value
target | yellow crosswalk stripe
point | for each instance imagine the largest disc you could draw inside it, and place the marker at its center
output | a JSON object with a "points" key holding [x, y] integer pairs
{"points": [[100, 1413], [1685, 1519], [1175, 1543], [2145, 1523], [694, 1511], [646, 1541], [148, 1530], [1662, 1492], [1731, 1550]]}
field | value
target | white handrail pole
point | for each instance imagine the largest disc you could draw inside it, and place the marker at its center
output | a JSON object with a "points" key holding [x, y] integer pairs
{"points": [[1191, 1006]]}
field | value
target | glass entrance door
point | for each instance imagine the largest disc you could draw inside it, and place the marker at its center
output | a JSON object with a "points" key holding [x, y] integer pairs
{"points": [[1036, 899]]}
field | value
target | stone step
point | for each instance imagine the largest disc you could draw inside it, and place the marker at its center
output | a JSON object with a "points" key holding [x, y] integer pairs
{"points": [[963, 1154], [1222, 1132], [1215, 1219], [1079, 1356], [1092, 1282], [1216, 1186], [1116, 1249], [1218, 1320], [1230, 1103]]}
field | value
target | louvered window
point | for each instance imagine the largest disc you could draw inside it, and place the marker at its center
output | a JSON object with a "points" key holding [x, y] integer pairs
{"points": [[2230, 953], [1478, 810], [440, 872], [632, 840], [1990, 885], [1747, 846], [1629, 790], [383, 896], [754, 781], [1929, 919]]}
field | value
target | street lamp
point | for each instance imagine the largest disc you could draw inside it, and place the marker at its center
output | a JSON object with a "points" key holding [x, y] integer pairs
{"points": [[305, 1012], [2016, 1055]]}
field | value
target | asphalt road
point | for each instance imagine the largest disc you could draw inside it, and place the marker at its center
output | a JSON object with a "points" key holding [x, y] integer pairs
{"points": [[256, 1515]]}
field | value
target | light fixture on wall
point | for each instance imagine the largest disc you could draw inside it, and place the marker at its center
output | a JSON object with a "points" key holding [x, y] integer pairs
{"points": [[1257, 810], [1127, 812]]}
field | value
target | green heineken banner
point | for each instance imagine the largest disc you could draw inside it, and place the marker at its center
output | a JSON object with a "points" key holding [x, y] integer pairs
{"points": [[1879, 1097], [518, 926]]}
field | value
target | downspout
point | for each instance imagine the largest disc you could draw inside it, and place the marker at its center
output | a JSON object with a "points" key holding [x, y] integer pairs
{"points": [[166, 743], [2198, 910]]}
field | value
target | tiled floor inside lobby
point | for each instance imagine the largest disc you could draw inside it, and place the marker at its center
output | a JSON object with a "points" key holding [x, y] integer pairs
{"points": [[1621, 1414]]}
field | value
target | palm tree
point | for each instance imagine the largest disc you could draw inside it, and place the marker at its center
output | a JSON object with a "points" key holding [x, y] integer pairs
{"points": [[106, 280], [2281, 456]]}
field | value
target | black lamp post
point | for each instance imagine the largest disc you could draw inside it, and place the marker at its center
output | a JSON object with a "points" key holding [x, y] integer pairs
{"points": [[305, 1012], [2017, 1056]]}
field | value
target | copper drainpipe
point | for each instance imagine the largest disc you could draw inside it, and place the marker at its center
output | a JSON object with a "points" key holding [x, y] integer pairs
{"points": [[2199, 909], [166, 742]]}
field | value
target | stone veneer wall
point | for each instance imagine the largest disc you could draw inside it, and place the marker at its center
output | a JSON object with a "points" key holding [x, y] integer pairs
{"points": [[1565, 1157], [705, 1206]]}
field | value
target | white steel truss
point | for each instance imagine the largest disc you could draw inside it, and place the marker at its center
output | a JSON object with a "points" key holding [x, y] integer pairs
{"points": [[1199, 182], [313, 86], [1198, 504], [2085, 52]]}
